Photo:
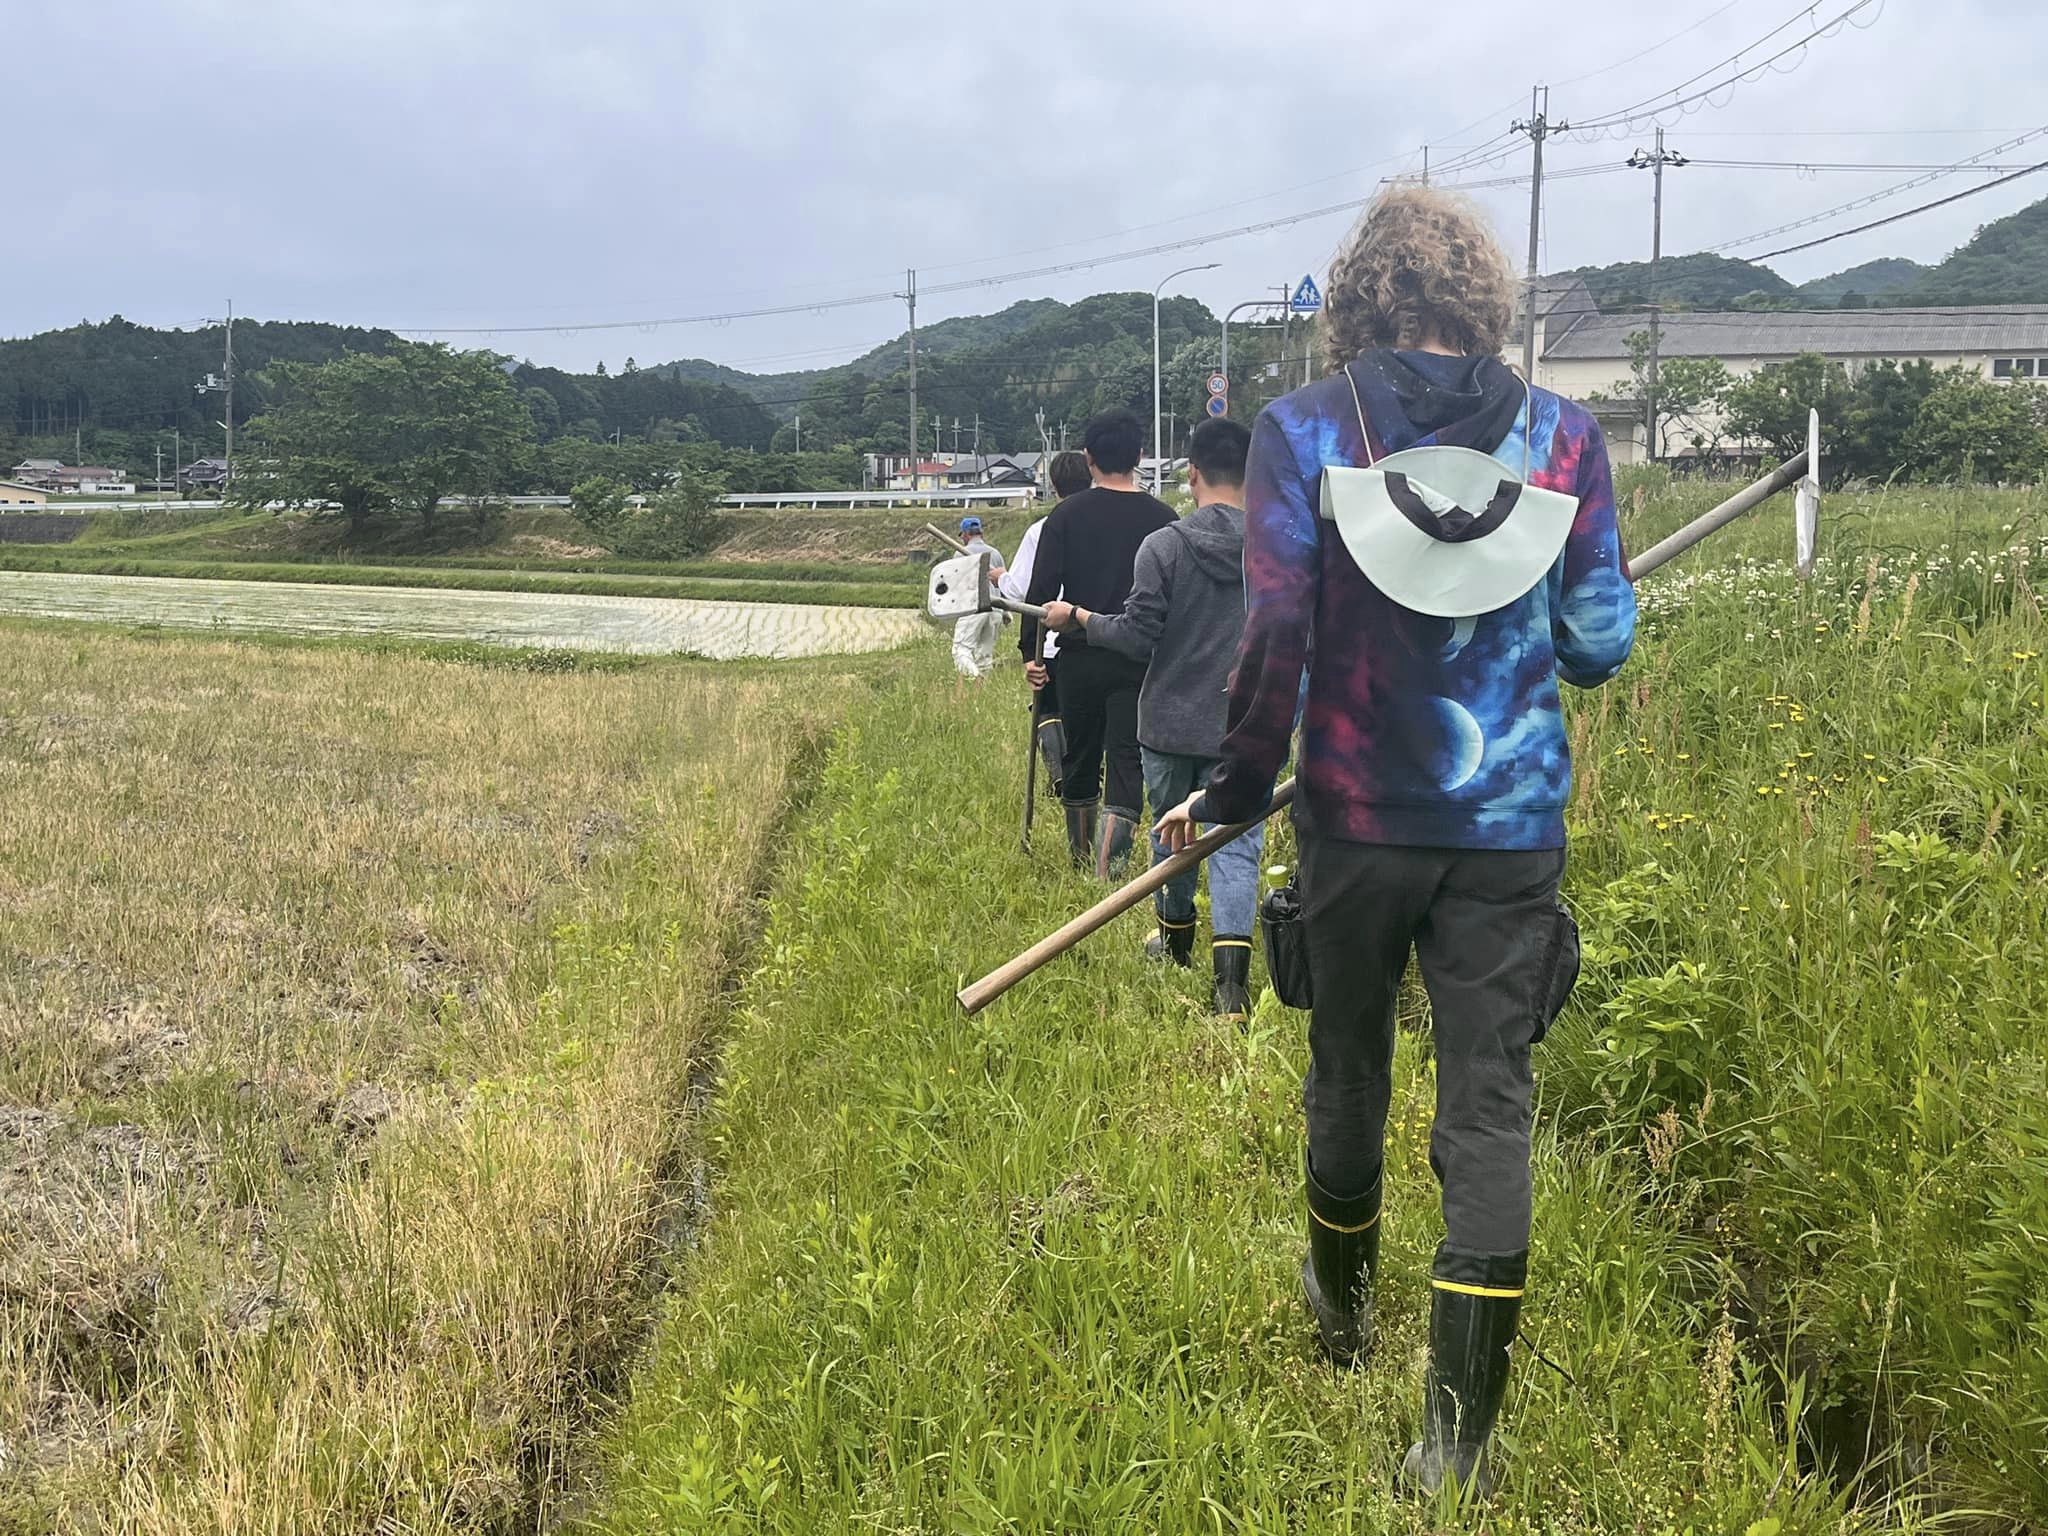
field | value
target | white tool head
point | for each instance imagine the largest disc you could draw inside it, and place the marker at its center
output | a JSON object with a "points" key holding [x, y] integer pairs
{"points": [[958, 587], [1806, 502]]}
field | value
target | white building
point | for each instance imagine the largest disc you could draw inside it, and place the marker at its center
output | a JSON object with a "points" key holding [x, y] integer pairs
{"points": [[1582, 352]]}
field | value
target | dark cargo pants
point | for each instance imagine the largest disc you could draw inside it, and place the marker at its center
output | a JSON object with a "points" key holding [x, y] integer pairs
{"points": [[1498, 955]]}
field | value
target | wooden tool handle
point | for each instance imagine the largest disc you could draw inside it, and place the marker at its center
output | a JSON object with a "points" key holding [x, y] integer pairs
{"points": [[947, 539], [998, 981]]}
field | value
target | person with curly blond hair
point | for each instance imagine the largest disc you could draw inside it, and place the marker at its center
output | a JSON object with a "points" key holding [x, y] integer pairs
{"points": [[1435, 541]]}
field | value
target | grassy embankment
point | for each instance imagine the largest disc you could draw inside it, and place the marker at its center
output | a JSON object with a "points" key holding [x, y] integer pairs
{"points": [[1037, 1270], [858, 558], [348, 1012]]}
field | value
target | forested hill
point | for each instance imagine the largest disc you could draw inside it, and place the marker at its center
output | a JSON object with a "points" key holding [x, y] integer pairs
{"points": [[121, 377], [2005, 262], [1871, 283], [114, 391], [1068, 360], [944, 338]]}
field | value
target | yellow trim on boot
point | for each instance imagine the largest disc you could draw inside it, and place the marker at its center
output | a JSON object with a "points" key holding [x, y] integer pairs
{"points": [[1475, 1290], [1228, 943], [1167, 922], [1363, 1226]]}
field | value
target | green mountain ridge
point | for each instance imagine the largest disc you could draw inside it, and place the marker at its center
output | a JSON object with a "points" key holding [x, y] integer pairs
{"points": [[1873, 280], [2004, 262]]}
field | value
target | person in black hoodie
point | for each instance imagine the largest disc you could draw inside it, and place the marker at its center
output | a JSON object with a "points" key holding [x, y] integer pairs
{"points": [[1089, 545], [1183, 619]]}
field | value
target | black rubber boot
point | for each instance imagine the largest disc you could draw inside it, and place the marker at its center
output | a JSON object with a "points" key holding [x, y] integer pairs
{"points": [[1337, 1275], [1172, 941], [1052, 747], [1113, 843], [1232, 957], [1081, 834], [1475, 1306]]}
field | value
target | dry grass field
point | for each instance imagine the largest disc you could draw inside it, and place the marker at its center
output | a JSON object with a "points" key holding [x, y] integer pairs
{"points": [[348, 1005]]}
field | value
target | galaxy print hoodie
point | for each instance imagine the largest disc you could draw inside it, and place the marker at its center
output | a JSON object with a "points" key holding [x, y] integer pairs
{"points": [[1419, 731]]}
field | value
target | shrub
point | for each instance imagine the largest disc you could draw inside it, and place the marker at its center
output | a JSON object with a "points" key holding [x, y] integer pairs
{"points": [[598, 503]]}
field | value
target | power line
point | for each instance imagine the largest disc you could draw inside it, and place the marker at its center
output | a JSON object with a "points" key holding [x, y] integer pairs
{"points": [[1842, 165], [1877, 197], [1605, 69], [1939, 202], [1653, 106], [1842, 133]]}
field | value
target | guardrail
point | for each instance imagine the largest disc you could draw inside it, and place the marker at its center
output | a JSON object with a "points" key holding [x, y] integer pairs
{"points": [[978, 495]]}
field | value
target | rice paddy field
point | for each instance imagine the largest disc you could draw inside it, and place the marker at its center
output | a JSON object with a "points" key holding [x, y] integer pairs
{"points": [[350, 1007], [442, 1097]]}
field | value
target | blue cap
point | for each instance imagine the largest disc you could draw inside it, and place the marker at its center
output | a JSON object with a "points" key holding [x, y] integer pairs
{"points": [[970, 525]]}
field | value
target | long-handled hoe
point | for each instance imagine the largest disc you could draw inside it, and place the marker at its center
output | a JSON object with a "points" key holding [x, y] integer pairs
{"points": [[956, 590]]}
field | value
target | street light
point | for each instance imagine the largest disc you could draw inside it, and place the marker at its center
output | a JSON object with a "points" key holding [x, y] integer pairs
{"points": [[1159, 457]]}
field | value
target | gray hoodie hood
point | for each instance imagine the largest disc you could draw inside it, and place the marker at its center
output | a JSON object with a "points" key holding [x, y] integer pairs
{"points": [[1215, 537]]}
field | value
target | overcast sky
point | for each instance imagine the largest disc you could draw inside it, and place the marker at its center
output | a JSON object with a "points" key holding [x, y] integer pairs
{"points": [[450, 163]]}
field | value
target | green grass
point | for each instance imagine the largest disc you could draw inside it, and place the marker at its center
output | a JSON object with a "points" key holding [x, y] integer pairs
{"points": [[1036, 1270]]}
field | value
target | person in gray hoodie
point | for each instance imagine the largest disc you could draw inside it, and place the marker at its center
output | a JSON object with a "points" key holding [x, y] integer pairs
{"points": [[1184, 619]]}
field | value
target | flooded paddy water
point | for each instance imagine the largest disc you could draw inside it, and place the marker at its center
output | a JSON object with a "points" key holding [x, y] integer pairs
{"points": [[637, 625]]}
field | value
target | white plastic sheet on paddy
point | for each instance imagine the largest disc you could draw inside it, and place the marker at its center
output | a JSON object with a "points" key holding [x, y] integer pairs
{"points": [[638, 625]]}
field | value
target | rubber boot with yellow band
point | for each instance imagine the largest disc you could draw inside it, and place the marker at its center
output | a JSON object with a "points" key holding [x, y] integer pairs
{"points": [[1337, 1275], [1475, 1305]]}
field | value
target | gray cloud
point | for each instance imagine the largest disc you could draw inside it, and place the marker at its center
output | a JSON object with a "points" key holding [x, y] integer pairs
{"points": [[531, 162]]}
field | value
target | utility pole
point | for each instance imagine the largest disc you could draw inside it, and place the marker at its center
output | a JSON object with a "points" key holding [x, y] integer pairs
{"points": [[228, 422], [1655, 161], [909, 295], [159, 468], [1538, 128], [799, 429]]}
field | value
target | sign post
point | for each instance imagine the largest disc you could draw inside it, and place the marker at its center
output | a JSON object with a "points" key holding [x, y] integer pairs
{"points": [[1219, 394]]}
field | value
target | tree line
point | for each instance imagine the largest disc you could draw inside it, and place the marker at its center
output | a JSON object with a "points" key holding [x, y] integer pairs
{"points": [[117, 393], [1888, 420], [371, 436]]}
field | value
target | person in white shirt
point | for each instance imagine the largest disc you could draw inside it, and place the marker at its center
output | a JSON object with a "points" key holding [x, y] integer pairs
{"points": [[1069, 474], [974, 636]]}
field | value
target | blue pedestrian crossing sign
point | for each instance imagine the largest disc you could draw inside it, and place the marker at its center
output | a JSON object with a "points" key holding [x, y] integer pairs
{"points": [[1307, 298]]}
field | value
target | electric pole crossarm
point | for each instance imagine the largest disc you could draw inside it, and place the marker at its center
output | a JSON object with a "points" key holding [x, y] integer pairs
{"points": [[1538, 128], [1654, 161]]}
